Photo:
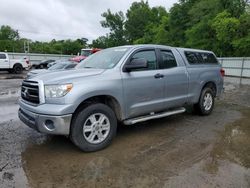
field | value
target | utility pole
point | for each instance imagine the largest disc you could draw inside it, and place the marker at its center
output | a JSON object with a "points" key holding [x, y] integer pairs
{"points": [[26, 46]]}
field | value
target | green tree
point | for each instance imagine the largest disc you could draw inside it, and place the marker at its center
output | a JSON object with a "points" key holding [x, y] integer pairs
{"points": [[226, 28], [139, 15], [7, 33], [115, 23], [235, 7], [101, 42], [242, 43]]}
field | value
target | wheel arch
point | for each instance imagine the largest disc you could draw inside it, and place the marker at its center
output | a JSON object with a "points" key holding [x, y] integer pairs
{"points": [[17, 64], [210, 84], [109, 100]]}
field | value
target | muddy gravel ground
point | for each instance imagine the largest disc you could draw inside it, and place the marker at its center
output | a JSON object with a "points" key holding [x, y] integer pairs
{"points": [[6, 75], [184, 150]]}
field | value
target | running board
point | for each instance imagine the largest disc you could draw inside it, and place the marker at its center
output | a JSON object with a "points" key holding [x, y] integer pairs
{"points": [[154, 116]]}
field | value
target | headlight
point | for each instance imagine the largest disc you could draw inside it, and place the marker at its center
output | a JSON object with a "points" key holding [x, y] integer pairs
{"points": [[53, 91]]}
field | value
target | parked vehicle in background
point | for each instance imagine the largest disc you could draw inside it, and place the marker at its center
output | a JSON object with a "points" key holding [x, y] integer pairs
{"points": [[43, 64], [128, 84], [56, 61], [64, 65], [84, 53], [13, 65]]}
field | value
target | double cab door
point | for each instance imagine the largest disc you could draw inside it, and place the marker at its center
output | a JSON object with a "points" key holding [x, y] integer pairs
{"points": [[162, 85]]}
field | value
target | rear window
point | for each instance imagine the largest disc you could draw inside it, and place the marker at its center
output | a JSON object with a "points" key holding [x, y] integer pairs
{"points": [[209, 58], [200, 58]]}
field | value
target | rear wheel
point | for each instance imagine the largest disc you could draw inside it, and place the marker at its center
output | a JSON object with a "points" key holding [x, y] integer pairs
{"points": [[94, 127], [18, 69], [206, 102]]}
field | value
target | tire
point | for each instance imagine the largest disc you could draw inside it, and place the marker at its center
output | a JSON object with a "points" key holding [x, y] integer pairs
{"points": [[206, 102], [85, 131], [18, 69]]}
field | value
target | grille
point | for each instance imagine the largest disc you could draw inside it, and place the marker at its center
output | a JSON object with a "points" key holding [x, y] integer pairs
{"points": [[30, 91]]}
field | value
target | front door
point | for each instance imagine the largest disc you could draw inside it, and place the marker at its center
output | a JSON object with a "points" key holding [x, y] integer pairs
{"points": [[143, 88]]}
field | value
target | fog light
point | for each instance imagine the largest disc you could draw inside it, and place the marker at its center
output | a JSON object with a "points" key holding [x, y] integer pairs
{"points": [[49, 124]]}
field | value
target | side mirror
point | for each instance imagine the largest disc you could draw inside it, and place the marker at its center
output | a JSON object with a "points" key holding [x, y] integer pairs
{"points": [[139, 63]]}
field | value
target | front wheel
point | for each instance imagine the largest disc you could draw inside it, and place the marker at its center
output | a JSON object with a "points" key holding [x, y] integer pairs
{"points": [[206, 102], [94, 127]]}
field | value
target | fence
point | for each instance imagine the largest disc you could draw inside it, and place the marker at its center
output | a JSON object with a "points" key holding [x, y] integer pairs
{"points": [[234, 66], [36, 58]]}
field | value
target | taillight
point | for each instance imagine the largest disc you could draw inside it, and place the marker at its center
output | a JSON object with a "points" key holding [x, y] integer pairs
{"points": [[222, 72]]}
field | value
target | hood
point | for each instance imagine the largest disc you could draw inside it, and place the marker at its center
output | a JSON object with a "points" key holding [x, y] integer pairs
{"points": [[63, 76]]}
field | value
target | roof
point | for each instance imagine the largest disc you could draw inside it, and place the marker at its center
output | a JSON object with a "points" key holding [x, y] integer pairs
{"points": [[162, 46]]}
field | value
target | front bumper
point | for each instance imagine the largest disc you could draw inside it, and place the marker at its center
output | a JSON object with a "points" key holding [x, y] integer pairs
{"points": [[59, 125]]}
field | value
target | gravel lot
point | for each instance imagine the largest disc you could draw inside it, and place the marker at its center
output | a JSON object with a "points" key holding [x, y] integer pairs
{"points": [[184, 150]]}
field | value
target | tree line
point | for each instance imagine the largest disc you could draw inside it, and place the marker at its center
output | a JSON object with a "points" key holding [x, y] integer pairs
{"points": [[10, 41], [222, 26]]}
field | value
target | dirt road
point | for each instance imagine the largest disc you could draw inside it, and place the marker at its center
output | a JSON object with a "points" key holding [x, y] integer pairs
{"points": [[184, 150]]}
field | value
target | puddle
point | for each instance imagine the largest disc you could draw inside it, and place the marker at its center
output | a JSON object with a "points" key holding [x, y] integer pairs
{"points": [[144, 155], [59, 163], [233, 145]]}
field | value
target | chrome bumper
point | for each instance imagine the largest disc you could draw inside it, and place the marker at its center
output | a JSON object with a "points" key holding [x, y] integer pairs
{"points": [[59, 125]]}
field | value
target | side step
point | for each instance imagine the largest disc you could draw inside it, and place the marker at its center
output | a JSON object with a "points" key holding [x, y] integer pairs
{"points": [[154, 116]]}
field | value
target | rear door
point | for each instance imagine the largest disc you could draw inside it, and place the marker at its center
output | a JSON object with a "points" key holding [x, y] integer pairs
{"points": [[4, 63], [175, 77], [143, 88]]}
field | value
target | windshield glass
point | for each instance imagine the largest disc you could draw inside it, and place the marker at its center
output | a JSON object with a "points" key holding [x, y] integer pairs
{"points": [[104, 59], [58, 66]]}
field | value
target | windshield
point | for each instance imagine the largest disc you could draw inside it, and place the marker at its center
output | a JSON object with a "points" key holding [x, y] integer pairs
{"points": [[58, 66], [104, 59]]}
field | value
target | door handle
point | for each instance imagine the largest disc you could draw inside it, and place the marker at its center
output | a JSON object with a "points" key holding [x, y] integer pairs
{"points": [[158, 75]]}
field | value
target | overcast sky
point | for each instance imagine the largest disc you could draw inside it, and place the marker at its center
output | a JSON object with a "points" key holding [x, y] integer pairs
{"points": [[45, 20]]}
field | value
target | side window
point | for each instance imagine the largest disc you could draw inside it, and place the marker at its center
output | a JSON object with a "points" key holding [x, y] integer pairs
{"points": [[209, 58], [2, 56], [192, 58], [200, 57], [168, 59], [149, 55]]}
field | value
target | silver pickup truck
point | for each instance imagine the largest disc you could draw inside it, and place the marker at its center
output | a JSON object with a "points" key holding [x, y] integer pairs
{"points": [[127, 84]]}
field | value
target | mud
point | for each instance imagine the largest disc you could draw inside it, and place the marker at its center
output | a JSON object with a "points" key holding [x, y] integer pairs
{"points": [[184, 150], [5, 75]]}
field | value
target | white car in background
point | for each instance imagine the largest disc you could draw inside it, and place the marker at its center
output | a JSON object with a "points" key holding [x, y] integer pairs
{"points": [[13, 65]]}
